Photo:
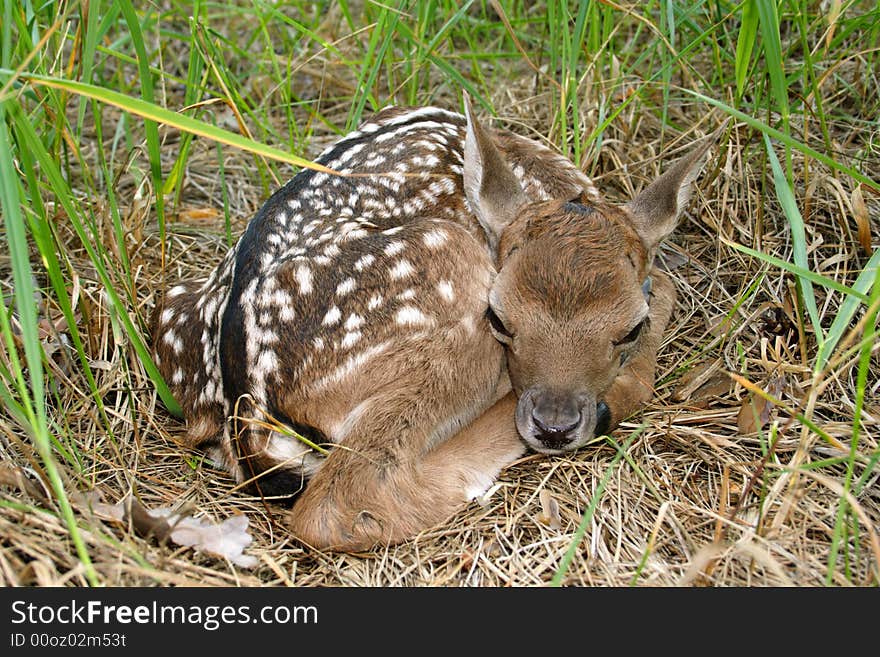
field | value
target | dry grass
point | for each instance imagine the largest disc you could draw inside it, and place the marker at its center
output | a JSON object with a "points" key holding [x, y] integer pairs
{"points": [[694, 502]]}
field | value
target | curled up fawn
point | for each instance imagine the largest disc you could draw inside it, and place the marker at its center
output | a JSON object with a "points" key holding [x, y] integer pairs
{"points": [[454, 297]]}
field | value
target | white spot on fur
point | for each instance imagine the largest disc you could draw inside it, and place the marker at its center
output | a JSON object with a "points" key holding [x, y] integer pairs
{"points": [[177, 290], [167, 314], [364, 261], [401, 270], [356, 234], [178, 377], [446, 291], [303, 277], [267, 362], [410, 316], [469, 324], [351, 364], [281, 298], [340, 430], [345, 286], [375, 301], [284, 448], [435, 238], [350, 339], [332, 317], [478, 486], [407, 294], [286, 314], [318, 343], [394, 248], [353, 322]]}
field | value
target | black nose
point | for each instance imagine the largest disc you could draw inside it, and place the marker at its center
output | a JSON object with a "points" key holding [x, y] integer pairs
{"points": [[556, 430]]}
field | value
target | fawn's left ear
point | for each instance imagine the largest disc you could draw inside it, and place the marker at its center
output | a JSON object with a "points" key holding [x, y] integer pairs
{"points": [[492, 190], [656, 208]]}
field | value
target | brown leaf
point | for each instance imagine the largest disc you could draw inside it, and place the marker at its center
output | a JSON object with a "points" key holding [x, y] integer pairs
{"points": [[549, 515], [145, 524], [719, 325], [15, 477], [863, 222], [718, 385], [703, 382], [226, 539], [755, 410], [668, 258], [197, 214]]}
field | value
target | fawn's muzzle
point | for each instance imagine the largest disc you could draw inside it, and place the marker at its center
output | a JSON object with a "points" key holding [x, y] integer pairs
{"points": [[553, 422]]}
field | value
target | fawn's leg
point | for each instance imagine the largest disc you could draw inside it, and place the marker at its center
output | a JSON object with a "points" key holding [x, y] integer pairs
{"points": [[353, 503], [634, 385]]}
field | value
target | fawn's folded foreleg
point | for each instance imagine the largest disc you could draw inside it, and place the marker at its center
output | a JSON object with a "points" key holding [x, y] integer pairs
{"points": [[358, 500]]}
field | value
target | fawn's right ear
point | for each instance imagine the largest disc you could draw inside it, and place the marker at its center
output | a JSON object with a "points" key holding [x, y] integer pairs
{"points": [[492, 190]]}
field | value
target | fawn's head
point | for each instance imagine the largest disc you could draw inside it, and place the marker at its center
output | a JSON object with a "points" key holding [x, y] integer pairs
{"points": [[573, 290]]}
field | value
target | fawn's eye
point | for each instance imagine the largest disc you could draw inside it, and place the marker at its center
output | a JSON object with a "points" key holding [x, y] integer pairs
{"points": [[632, 335], [497, 325]]}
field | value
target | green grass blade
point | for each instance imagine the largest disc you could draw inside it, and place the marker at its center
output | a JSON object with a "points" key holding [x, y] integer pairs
{"points": [[43, 236], [839, 534], [745, 43], [56, 180], [380, 43], [35, 408], [91, 37], [847, 311], [798, 237], [153, 112], [174, 180], [151, 129], [568, 557], [788, 140], [768, 16], [800, 272]]}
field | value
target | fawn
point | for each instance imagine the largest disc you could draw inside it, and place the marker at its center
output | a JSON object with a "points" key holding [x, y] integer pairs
{"points": [[455, 296]]}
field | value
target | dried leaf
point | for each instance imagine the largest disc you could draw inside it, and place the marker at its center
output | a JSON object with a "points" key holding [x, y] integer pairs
{"points": [[755, 410], [668, 259], [549, 515], [228, 539], [863, 222], [15, 477], [720, 325], [832, 15], [197, 214], [697, 378], [775, 320], [718, 385]]}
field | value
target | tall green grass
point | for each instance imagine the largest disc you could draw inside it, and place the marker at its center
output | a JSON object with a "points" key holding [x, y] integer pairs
{"points": [[62, 76]]}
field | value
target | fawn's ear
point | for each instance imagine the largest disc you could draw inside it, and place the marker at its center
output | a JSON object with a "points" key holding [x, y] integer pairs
{"points": [[656, 208], [492, 190]]}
